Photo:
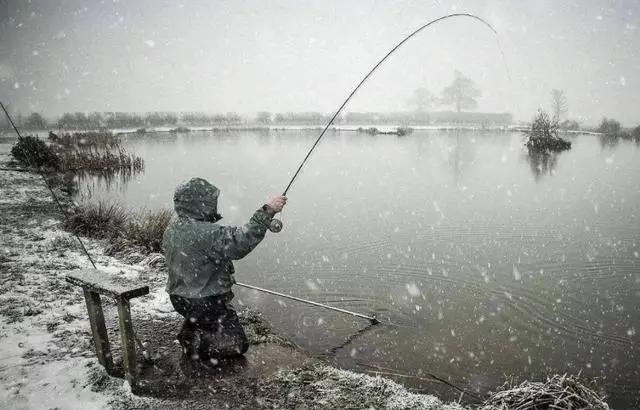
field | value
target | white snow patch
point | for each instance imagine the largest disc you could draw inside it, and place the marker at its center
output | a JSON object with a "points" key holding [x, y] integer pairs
{"points": [[57, 384]]}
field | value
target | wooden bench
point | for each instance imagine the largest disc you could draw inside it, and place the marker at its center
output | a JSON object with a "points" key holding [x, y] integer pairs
{"points": [[96, 283]]}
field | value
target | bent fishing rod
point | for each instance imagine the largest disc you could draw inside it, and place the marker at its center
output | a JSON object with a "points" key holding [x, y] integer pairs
{"points": [[276, 225]]}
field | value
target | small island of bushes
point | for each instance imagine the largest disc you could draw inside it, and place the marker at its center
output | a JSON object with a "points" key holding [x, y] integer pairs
{"points": [[543, 136]]}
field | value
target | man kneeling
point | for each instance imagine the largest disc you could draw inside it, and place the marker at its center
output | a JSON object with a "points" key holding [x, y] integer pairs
{"points": [[199, 254]]}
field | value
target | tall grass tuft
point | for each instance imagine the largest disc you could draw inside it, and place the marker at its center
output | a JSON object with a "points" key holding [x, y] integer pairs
{"points": [[124, 229], [145, 229], [97, 220]]}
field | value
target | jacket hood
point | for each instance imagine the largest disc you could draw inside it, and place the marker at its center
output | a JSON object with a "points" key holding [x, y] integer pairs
{"points": [[197, 199]]}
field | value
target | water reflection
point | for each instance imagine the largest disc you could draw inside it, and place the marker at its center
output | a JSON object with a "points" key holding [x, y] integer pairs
{"points": [[462, 155], [542, 163], [94, 183], [608, 141]]}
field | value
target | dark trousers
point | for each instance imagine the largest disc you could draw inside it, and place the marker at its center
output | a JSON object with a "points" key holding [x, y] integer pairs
{"points": [[211, 328]]}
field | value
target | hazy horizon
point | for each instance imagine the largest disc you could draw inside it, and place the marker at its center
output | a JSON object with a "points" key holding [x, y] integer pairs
{"points": [[287, 56]]}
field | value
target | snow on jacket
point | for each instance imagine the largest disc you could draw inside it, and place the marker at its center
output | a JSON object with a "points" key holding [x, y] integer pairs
{"points": [[199, 252]]}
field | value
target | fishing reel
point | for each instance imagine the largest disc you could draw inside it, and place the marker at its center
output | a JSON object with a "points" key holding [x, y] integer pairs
{"points": [[275, 226]]}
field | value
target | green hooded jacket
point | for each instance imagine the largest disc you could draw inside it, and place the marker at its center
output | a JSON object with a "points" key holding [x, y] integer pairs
{"points": [[199, 252]]}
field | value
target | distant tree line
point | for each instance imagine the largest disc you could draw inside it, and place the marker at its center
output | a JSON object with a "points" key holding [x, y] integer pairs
{"points": [[111, 120], [425, 118]]}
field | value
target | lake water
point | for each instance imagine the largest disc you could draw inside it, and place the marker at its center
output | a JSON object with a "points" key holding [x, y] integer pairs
{"points": [[489, 263]]}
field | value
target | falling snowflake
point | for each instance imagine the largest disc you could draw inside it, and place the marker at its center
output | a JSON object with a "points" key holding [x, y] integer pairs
{"points": [[413, 289], [516, 273]]}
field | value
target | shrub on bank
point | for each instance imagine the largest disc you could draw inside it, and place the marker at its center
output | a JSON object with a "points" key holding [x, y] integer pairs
{"points": [[32, 151]]}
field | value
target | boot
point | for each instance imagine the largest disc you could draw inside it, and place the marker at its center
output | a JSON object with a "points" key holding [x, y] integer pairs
{"points": [[221, 344], [190, 341]]}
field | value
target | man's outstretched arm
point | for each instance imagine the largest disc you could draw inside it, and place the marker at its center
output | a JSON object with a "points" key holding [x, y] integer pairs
{"points": [[238, 241]]}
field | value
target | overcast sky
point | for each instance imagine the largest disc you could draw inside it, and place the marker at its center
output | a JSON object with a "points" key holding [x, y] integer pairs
{"points": [[246, 56]]}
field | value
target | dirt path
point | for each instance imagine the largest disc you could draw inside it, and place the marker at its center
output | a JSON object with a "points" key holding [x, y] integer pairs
{"points": [[46, 355]]}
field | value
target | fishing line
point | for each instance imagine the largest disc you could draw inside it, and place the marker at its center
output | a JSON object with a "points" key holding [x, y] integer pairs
{"points": [[64, 213], [53, 195], [364, 79]]}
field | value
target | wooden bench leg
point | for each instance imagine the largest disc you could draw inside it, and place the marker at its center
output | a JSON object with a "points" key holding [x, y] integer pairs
{"points": [[128, 343], [98, 329]]}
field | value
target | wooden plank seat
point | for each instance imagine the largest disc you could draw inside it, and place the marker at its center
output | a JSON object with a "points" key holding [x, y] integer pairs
{"points": [[95, 283]]}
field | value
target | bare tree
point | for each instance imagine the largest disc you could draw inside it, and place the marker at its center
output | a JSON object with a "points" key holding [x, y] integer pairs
{"points": [[462, 93], [422, 99], [35, 121], [558, 104], [263, 117]]}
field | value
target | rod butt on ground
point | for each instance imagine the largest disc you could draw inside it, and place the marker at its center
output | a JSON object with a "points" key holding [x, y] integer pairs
{"points": [[372, 319]]}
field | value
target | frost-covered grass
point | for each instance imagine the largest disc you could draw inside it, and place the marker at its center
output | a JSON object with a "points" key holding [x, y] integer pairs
{"points": [[321, 386], [558, 392]]}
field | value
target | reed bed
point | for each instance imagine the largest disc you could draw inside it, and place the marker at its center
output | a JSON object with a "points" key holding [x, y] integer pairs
{"points": [[103, 159]]}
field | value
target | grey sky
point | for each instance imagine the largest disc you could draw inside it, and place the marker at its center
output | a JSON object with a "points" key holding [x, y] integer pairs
{"points": [[245, 56]]}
